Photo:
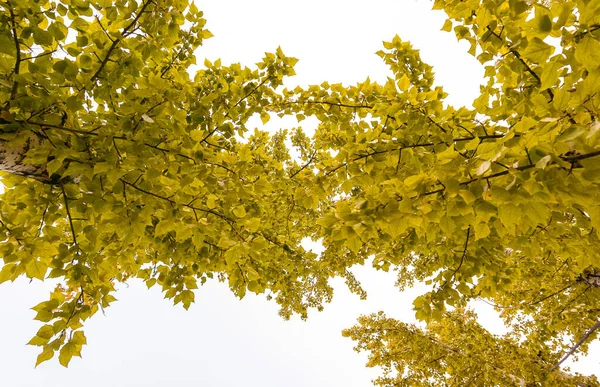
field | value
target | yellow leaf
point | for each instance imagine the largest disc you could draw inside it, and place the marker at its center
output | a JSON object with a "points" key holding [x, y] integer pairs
{"points": [[482, 230], [447, 156], [239, 211], [467, 196], [67, 352], [46, 354], [447, 25], [483, 167], [587, 52], [541, 164], [36, 269], [404, 83], [163, 227], [147, 118], [211, 201], [413, 181], [353, 243], [537, 50], [264, 117], [45, 332], [550, 74]]}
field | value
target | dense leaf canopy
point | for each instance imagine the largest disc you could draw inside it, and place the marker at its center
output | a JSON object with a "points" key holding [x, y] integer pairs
{"points": [[118, 164]]}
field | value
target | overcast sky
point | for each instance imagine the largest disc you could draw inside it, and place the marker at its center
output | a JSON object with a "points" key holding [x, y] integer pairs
{"points": [[221, 341]]}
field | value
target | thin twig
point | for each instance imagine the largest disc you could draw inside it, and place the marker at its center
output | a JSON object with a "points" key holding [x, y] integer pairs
{"points": [[312, 157], [66, 200], [10, 232], [229, 221], [115, 42], [462, 259]]}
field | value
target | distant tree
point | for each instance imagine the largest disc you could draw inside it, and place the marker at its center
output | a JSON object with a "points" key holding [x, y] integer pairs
{"points": [[117, 165]]}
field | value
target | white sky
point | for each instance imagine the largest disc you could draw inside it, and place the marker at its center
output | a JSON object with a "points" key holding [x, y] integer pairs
{"points": [[146, 341]]}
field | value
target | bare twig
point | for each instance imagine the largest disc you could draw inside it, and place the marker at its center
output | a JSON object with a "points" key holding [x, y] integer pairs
{"points": [[66, 200]]}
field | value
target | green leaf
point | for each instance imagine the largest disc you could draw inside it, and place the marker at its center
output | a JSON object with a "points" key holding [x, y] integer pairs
{"points": [[543, 23], [7, 45], [60, 66], [164, 227], [57, 30], [41, 37]]}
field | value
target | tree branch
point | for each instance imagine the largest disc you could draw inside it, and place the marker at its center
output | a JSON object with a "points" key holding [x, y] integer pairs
{"points": [[233, 107], [115, 42], [229, 221], [570, 159], [305, 165], [462, 258], [551, 295], [10, 232], [587, 334], [592, 28], [66, 200], [360, 157], [338, 104], [13, 92]]}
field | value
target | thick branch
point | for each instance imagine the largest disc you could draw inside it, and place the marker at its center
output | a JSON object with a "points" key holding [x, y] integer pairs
{"points": [[587, 334], [13, 92], [570, 159]]}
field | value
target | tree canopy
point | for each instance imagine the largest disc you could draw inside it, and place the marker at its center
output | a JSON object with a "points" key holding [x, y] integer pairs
{"points": [[119, 164]]}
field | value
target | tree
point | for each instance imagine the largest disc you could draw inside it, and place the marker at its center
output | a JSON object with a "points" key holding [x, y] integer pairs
{"points": [[118, 165]]}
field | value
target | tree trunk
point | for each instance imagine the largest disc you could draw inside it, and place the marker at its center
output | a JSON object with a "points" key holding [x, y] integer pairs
{"points": [[12, 157]]}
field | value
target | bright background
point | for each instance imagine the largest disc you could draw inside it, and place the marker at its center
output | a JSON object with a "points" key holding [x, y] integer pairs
{"points": [[221, 341]]}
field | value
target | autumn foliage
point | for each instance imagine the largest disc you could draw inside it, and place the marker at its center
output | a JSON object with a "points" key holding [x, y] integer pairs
{"points": [[119, 164]]}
